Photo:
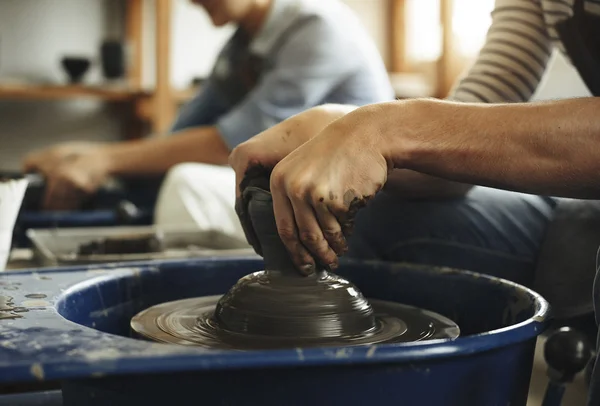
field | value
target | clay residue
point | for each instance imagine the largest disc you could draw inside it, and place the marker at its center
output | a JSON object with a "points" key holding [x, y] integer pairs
{"points": [[36, 296], [36, 303], [9, 315], [122, 245], [354, 204], [96, 355], [6, 303], [7, 308], [37, 371]]}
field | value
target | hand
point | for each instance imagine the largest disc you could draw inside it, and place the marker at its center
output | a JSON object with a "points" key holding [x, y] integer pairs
{"points": [[274, 144], [318, 188], [45, 160], [264, 151], [72, 171]]}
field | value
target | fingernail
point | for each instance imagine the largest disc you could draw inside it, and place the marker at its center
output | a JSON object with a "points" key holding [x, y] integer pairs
{"points": [[307, 269], [333, 266]]}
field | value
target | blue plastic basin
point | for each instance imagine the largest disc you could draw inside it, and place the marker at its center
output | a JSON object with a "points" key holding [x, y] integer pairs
{"points": [[81, 337]]}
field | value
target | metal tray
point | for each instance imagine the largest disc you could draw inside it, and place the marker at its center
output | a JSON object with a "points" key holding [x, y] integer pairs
{"points": [[52, 247]]}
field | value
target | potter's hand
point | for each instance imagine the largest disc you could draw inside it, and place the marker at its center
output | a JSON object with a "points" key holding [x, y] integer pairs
{"points": [[261, 153], [271, 146], [72, 171], [318, 188]]}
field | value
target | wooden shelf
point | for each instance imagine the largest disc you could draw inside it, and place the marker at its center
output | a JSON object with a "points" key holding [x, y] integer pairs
{"points": [[54, 92]]}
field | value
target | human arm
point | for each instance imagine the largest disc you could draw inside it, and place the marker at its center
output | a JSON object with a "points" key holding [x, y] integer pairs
{"points": [[546, 148], [154, 156], [508, 68], [76, 169], [81, 170], [549, 148]]}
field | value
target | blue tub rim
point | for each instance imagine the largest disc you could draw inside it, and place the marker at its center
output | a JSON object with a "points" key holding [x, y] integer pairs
{"points": [[173, 358]]}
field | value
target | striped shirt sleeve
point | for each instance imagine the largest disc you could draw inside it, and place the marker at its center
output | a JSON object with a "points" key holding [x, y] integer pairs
{"points": [[511, 63]]}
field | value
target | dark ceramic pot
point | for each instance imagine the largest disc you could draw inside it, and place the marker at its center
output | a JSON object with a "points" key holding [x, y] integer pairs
{"points": [[112, 56], [76, 67]]}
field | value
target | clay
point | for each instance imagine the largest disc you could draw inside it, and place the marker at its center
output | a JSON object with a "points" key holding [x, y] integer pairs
{"points": [[279, 307], [256, 177], [272, 304], [191, 322], [6, 303], [9, 316], [133, 244], [7, 308], [280, 302], [36, 296], [354, 204]]}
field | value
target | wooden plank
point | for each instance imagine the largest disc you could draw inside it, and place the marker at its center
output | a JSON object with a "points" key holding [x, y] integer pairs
{"points": [[134, 42], [445, 63], [164, 104], [398, 36], [53, 92]]}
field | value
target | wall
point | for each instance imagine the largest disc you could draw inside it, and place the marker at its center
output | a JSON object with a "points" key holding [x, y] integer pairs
{"points": [[34, 34], [195, 43]]}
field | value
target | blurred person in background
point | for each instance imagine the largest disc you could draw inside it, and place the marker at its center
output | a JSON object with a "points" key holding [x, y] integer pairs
{"points": [[285, 57]]}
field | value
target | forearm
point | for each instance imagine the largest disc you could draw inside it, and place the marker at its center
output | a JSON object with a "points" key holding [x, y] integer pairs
{"points": [[549, 148], [411, 185], [154, 156]]}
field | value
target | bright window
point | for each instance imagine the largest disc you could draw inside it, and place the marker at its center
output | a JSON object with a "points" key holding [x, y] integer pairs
{"points": [[470, 22]]}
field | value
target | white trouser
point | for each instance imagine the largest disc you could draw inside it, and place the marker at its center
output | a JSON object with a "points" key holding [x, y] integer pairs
{"points": [[199, 194]]}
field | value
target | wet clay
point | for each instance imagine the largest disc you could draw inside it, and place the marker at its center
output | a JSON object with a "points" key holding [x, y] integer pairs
{"points": [[280, 302], [192, 322], [280, 308], [322, 305], [354, 205], [134, 244]]}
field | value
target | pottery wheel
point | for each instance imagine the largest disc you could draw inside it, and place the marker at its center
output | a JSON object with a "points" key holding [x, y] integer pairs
{"points": [[279, 308]]}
